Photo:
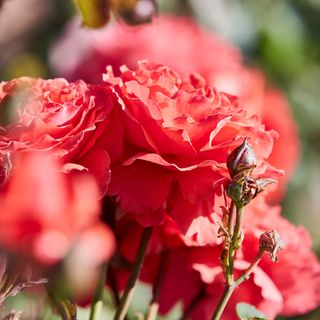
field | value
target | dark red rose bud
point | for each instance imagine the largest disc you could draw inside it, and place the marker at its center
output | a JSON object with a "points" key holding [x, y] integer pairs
{"points": [[271, 242], [242, 159]]}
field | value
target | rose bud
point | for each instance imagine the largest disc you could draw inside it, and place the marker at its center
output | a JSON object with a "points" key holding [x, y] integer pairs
{"points": [[271, 242], [242, 190], [242, 159]]}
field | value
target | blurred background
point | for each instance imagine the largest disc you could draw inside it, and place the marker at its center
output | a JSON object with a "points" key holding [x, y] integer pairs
{"points": [[280, 37]]}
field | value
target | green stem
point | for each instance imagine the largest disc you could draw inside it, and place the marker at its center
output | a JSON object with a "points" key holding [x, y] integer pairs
{"points": [[228, 290], [231, 217], [246, 275], [234, 244], [97, 302], [227, 293], [154, 303], [131, 285]]}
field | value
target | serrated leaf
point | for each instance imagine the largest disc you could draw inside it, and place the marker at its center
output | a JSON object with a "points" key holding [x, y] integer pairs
{"points": [[246, 311]]}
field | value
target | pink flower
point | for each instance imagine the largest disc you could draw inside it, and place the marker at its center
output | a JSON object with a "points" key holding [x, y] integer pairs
{"points": [[297, 264], [184, 46], [68, 119], [177, 137], [44, 213]]}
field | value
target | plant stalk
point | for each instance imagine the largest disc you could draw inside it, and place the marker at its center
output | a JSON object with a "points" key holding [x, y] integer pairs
{"points": [[131, 285], [97, 303], [234, 245], [153, 308], [227, 293]]}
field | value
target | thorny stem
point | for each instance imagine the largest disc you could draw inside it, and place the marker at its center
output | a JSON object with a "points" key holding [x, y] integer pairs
{"points": [[154, 303], [230, 288], [231, 217], [131, 285], [97, 302], [234, 245], [246, 275]]}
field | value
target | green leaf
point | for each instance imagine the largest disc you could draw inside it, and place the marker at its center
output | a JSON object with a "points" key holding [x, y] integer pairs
{"points": [[246, 311]]}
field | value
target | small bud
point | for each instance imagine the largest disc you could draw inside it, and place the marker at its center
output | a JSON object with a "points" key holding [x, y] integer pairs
{"points": [[241, 159], [271, 242], [242, 190]]}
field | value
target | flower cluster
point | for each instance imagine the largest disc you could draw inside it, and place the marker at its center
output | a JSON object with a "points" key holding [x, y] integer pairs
{"points": [[182, 45], [166, 150]]}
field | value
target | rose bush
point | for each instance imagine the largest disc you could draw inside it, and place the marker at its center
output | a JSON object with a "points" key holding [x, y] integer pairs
{"points": [[191, 50], [177, 136], [46, 214], [193, 275], [71, 120]]}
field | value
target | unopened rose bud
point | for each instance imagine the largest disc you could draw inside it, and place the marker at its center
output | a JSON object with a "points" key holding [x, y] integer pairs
{"points": [[242, 190], [241, 159], [271, 242]]}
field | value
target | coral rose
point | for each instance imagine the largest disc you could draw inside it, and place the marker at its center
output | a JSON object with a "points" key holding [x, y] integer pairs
{"points": [[177, 137], [45, 213], [67, 119], [191, 50], [193, 275]]}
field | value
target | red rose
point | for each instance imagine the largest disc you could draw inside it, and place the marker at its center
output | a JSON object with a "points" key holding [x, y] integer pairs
{"points": [[45, 213], [191, 50], [193, 275], [275, 288], [177, 136], [67, 119], [297, 264]]}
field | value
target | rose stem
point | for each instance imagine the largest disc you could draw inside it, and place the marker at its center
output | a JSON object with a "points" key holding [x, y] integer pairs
{"points": [[154, 303], [246, 275], [113, 287], [231, 217], [193, 304], [97, 301], [129, 291], [230, 288], [234, 243]]}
